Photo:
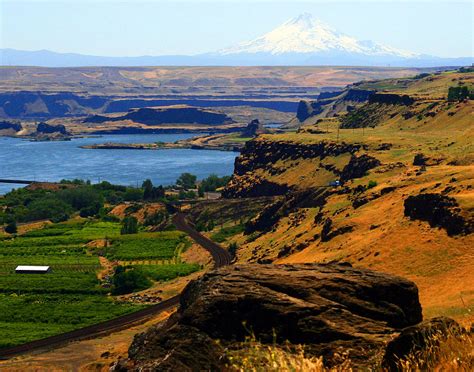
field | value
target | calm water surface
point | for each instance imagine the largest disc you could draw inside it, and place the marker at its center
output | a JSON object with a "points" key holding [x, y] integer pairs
{"points": [[53, 161]]}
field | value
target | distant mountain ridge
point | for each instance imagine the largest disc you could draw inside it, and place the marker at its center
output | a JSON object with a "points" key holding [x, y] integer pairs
{"points": [[300, 41]]}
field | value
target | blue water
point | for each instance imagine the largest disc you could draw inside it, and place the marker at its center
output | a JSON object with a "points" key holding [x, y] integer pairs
{"points": [[53, 161]]}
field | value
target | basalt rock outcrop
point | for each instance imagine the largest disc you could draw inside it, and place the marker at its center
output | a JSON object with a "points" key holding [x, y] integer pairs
{"points": [[391, 99], [44, 128], [46, 105], [332, 102], [167, 115], [10, 125], [262, 154], [252, 129], [273, 212], [325, 307], [306, 109], [358, 166], [439, 211], [424, 160]]}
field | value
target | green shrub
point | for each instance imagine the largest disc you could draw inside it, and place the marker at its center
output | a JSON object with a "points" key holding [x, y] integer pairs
{"points": [[129, 225], [48, 208], [213, 182], [371, 184], [233, 249], [227, 232], [168, 272], [128, 280], [156, 218]]}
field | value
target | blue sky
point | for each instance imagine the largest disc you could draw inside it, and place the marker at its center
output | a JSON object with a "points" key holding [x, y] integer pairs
{"points": [[132, 28]]}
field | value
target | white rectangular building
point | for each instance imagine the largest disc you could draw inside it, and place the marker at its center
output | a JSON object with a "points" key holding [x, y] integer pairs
{"points": [[32, 269]]}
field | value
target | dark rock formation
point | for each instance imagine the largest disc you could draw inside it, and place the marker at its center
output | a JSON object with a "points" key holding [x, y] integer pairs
{"points": [[391, 99], [263, 154], [358, 167], [252, 129], [43, 105], [238, 187], [418, 338], [7, 125], [271, 214], [327, 233], [330, 100], [167, 115], [421, 159], [43, 128], [326, 307], [358, 95], [306, 109], [439, 211]]}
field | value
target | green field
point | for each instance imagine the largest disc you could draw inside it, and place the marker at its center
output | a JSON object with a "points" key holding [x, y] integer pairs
{"points": [[34, 306]]}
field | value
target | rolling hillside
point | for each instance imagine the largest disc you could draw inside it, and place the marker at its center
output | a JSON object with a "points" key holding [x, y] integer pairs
{"points": [[406, 200]]}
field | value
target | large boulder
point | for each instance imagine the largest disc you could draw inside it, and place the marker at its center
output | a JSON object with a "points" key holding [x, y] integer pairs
{"points": [[325, 307]]}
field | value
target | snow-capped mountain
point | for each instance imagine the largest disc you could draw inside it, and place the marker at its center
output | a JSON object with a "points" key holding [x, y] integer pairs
{"points": [[307, 35], [301, 41]]}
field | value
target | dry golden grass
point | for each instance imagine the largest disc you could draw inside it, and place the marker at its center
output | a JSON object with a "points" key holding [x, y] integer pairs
{"points": [[443, 352], [451, 352]]}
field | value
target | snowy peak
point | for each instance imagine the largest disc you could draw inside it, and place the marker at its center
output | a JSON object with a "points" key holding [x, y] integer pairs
{"points": [[306, 34]]}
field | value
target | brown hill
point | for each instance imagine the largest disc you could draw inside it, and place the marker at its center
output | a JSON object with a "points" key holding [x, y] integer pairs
{"points": [[417, 152]]}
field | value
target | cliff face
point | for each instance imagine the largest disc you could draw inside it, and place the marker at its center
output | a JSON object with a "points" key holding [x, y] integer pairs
{"points": [[391, 99], [41, 105], [329, 103], [11, 126], [175, 115], [44, 128], [263, 166]]}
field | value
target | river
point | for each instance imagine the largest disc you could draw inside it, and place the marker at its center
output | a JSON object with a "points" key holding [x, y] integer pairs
{"points": [[53, 161]]}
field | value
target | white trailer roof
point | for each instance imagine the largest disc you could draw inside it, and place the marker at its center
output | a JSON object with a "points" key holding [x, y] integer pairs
{"points": [[32, 268]]}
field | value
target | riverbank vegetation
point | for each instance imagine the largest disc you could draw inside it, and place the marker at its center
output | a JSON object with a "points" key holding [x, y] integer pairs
{"points": [[59, 202]]}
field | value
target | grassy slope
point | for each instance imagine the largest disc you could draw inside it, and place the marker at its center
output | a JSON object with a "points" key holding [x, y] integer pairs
{"points": [[383, 239]]}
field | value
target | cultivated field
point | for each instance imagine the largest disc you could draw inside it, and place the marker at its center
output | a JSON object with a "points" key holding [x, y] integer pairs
{"points": [[34, 306]]}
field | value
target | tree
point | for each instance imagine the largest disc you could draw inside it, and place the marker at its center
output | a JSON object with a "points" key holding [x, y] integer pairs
{"points": [[458, 93], [233, 248], [129, 225], [213, 182], [147, 189], [11, 227], [82, 197], [48, 208], [187, 181], [200, 192], [129, 280]]}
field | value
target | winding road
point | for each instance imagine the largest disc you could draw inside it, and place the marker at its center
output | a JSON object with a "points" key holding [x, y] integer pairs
{"points": [[220, 256]]}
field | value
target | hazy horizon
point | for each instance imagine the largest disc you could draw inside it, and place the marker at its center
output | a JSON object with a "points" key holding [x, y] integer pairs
{"points": [[192, 27]]}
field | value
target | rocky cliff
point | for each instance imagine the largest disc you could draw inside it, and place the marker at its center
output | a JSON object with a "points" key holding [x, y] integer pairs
{"points": [[329, 103], [10, 127], [263, 165], [164, 115]]}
